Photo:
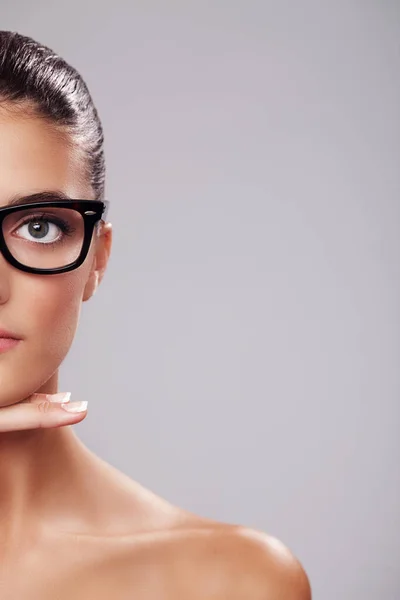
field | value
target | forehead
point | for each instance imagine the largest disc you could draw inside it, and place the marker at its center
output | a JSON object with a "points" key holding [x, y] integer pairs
{"points": [[34, 156]]}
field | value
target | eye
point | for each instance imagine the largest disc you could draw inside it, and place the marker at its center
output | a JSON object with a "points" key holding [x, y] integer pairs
{"points": [[39, 229], [46, 230]]}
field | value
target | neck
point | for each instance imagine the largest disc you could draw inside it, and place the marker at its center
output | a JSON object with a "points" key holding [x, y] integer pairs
{"points": [[52, 484], [41, 474], [34, 466]]}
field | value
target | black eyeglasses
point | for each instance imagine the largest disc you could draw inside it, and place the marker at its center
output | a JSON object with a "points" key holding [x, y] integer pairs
{"points": [[49, 237]]}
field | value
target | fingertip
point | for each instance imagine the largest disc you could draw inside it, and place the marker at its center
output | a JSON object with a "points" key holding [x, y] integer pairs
{"points": [[60, 397]]}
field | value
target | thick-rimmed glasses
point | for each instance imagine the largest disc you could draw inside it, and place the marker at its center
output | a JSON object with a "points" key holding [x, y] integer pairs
{"points": [[49, 237]]}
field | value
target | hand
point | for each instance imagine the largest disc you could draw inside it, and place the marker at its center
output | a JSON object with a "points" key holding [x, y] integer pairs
{"points": [[42, 411]]}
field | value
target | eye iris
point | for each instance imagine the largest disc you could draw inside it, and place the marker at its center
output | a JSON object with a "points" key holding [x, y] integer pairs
{"points": [[38, 228]]}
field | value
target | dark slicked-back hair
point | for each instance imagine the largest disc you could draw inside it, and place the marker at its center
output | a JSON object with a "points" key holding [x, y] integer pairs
{"points": [[32, 75]]}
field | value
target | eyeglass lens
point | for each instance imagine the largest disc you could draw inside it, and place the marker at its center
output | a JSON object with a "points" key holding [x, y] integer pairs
{"points": [[44, 238]]}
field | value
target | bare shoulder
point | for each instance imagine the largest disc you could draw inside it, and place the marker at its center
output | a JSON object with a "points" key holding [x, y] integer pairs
{"points": [[223, 561], [171, 553], [260, 567]]}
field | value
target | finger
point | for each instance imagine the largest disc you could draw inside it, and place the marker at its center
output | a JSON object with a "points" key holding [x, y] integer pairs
{"points": [[42, 414], [60, 397]]}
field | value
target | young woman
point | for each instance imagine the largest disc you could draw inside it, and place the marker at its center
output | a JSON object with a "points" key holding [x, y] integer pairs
{"points": [[71, 525]]}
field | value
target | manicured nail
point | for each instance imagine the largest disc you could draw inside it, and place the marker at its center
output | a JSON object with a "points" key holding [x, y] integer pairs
{"points": [[59, 397], [75, 407]]}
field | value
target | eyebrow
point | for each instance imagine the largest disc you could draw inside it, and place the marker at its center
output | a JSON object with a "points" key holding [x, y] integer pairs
{"points": [[44, 196]]}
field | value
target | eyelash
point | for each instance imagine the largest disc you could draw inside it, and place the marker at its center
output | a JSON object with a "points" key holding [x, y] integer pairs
{"points": [[63, 225]]}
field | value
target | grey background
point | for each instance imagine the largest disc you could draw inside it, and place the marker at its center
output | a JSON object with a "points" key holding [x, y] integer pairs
{"points": [[242, 355]]}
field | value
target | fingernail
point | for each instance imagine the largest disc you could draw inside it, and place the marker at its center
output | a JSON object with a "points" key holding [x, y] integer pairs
{"points": [[59, 397], [75, 406]]}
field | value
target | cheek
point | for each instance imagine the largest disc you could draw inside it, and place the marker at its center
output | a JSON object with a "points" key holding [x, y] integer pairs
{"points": [[54, 305], [49, 308], [45, 311]]}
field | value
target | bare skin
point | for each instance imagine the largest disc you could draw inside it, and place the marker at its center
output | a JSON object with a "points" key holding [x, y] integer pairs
{"points": [[71, 525]]}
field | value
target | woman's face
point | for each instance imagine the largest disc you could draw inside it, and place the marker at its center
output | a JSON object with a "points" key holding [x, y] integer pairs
{"points": [[42, 309]]}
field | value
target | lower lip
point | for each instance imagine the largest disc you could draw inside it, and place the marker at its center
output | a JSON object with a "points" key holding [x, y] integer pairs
{"points": [[7, 344]]}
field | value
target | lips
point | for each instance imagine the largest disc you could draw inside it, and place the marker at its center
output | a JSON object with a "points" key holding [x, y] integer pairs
{"points": [[7, 344], [9, 335]]}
